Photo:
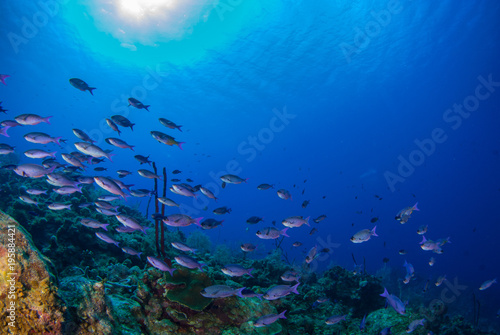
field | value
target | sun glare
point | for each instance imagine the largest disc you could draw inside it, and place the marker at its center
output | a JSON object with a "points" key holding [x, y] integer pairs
{"points": [[142, 9]]}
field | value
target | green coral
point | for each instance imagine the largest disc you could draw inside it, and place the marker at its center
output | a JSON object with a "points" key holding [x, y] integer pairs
{"points": [[186, 288]]}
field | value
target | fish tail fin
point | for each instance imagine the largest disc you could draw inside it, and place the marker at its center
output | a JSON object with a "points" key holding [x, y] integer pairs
{"points": [[51, 169], [146, 107], [53, 154], [307, 221], [47, 119], [423, 239], [108, 156], [3, 77], [171, 271], [117, 244], [415, 208], [194, 251], [197, 221], [250, 272], [104, 226], [282, 315], [373, 231], [79, 189], [294, 288], [91, 89], [139, 255], [132, 147], [283, 232], [239, 294], [132, 126], [259, 296], [385, 294], [3, 131], [179, 144], [58, 140], [179, 127]]}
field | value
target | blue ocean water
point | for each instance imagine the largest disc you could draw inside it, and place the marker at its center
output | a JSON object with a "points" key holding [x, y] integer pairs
{"points": [[361, 107]]}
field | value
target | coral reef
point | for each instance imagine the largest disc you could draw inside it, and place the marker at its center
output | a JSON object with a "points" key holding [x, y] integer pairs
{"points": [[38, 308], [101, 290]]}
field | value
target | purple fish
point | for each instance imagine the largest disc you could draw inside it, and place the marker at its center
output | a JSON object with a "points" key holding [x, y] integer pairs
{"points": [[414, 324], [268, 319], [82, 135], [232, 179], [27, 199], [271, 233], [31, 119], [110, 186], [34, 191], [235, 270], [290, 276], [182, 247], [250, 294], [394, 302], [312, 254], [284, 194], [221, 291], [68, 190], [130, 222], [363, 235], [335, 319], [56, 206], [160, 265], [41, 138], [123, 229], [32, 170], [131, 251], [410, 270], [181, 190], [91, 223], [59, 179], [106, 238], [181, 220], [107, 212], [189, 262], [280, 291]]}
